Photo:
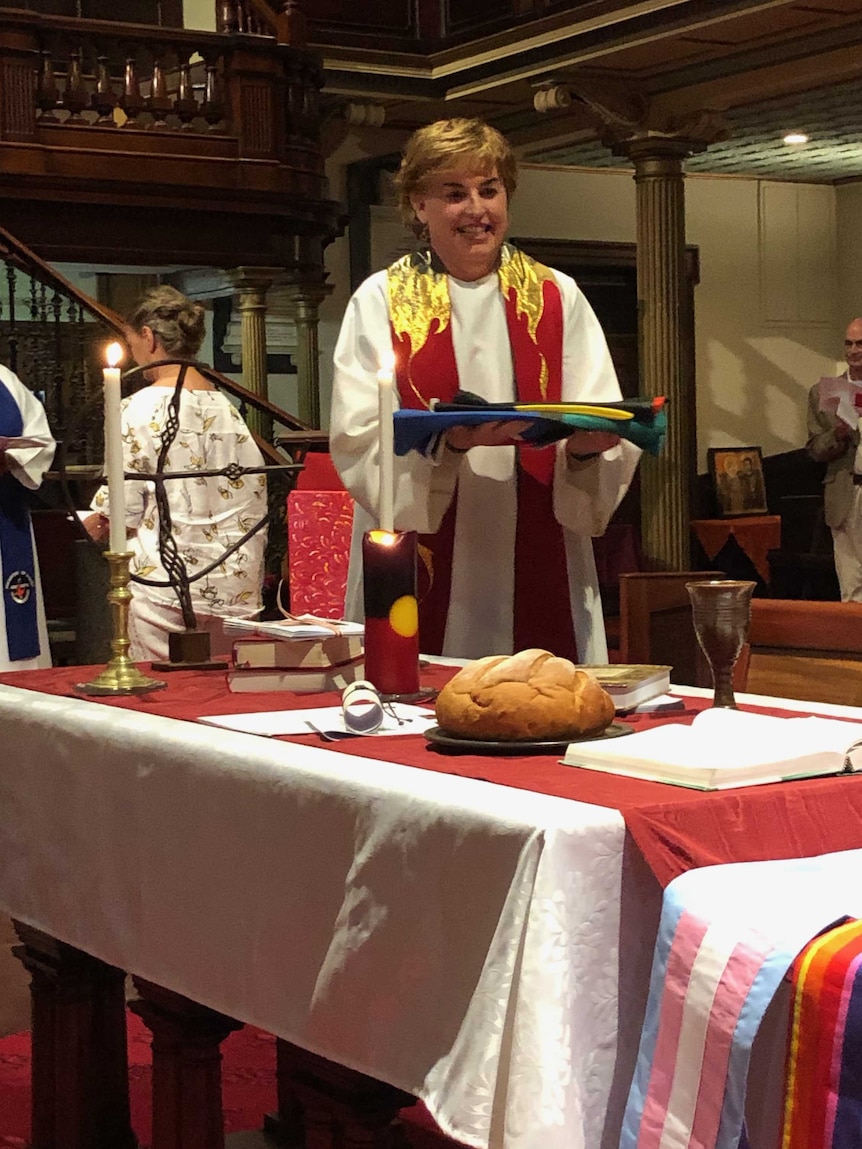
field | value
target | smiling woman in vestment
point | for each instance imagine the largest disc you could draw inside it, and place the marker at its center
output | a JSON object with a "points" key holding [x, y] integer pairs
{"points": [[505, 529]]}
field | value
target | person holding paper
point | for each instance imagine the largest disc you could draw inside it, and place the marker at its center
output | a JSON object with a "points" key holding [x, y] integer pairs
{"points": [[834, 407], [208, 515], [26, 451], [505, 530]]}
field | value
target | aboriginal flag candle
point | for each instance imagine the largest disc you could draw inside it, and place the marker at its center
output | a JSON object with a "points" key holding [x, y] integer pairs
{"points": [[391, 611]]}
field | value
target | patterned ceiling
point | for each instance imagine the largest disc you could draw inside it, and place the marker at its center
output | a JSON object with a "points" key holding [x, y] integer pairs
{"points": [[774, 65], [830, 117]]}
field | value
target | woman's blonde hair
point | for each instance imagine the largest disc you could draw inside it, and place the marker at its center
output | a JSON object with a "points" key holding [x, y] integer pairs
{"points": [[176, 322], [447, 144]]}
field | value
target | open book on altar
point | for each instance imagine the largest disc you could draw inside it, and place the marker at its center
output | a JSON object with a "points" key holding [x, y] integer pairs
{"points": [[642, 421], [726, 748]]}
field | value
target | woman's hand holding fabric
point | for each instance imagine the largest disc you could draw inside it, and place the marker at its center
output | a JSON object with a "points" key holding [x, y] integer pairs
{"points": [[582, 446], [500, 433]]}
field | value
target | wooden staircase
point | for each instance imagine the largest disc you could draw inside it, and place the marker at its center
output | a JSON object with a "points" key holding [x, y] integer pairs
{"points": [[53, 336]]}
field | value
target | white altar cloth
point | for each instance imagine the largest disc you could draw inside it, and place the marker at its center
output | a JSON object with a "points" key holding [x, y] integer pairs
{"points": [[457, 939]]}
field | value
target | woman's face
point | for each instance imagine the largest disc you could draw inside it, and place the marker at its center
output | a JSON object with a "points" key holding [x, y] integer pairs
{"points": [[467, 214]]}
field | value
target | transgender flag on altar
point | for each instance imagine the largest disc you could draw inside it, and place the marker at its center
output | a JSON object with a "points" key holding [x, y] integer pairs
{"points": [[728, 936]]}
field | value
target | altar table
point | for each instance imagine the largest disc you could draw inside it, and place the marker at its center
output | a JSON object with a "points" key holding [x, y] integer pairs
{"points": [[481, 946]]}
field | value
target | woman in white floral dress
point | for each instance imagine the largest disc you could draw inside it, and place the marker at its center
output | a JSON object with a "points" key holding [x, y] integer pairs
{"points": [[208, 515]]}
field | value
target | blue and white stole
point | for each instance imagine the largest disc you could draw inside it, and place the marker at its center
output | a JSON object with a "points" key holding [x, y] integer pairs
{"points": [[16, 550]]}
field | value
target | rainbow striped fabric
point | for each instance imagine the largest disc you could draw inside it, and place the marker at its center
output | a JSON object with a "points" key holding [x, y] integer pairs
{"points": [[728, 935], [823, 1099]]}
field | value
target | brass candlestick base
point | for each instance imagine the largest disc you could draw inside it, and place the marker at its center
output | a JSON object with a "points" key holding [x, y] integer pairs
{"points": [[120, 676]]}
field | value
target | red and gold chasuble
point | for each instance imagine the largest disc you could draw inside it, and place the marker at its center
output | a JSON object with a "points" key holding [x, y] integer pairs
{"points": [[419, 313]]}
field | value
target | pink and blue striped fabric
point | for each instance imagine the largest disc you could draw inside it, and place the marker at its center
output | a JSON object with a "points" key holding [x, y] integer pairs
{"points": [[728, 936]]}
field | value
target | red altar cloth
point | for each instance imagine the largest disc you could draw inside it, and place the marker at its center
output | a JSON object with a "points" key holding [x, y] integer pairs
{"points": [[675, 828]]}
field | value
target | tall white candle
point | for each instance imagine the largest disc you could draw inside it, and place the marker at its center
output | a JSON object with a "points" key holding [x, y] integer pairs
{"points": [[386, 411], [114, 449]]}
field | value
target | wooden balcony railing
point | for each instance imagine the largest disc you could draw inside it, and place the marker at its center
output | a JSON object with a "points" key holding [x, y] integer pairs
{"points": [[216, 125], [81, 72]]}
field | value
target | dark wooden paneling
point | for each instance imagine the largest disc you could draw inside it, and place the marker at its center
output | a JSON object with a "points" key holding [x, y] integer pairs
{"points": [[112, 233], [463, 15], [167, 13], [387, 17]]}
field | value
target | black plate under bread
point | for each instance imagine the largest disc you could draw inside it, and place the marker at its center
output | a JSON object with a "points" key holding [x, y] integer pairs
{"points": [[452, 744]]}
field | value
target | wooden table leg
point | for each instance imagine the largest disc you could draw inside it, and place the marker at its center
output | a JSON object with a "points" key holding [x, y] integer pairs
{"points": [[187, 1104], [335, 1107], [79, 1066]]}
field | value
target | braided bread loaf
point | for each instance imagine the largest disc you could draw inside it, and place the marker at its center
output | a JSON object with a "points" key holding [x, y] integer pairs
{"points": [[528, 696]]}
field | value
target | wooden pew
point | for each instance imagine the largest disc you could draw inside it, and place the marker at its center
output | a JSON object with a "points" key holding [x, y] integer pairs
{"points": [[805, 649]]}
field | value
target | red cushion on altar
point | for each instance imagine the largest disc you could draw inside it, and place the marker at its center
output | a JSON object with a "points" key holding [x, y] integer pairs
{"points": [[318, 532], [319, 473]]}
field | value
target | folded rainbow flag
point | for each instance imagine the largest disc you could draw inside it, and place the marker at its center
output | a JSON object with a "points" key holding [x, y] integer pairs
{"points": [[823, 1083], [641, 421]]}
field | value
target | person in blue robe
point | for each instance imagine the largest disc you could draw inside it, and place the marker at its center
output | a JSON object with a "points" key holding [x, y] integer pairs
{"points": [[26, 452]]}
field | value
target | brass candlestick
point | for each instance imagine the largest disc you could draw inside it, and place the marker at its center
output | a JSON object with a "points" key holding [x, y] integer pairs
{"points": [[120, 676]]}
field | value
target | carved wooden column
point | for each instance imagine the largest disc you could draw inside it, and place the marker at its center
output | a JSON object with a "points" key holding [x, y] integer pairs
{"points": [[305, 300], [80, 1088], [323, 1105], [658, 141], [666, 482], [187, 1105], [252, 284]]}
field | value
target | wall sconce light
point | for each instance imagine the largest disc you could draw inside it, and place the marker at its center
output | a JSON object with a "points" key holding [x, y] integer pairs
{"points": [[552, 96], [364, 115]]}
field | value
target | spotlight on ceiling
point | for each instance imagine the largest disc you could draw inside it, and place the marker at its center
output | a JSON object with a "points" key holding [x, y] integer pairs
{"points": [[796, 138]]}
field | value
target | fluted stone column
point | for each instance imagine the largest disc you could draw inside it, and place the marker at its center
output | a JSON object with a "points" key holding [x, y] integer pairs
{"points": [[666, 482], [305, 300], [252, 284]]}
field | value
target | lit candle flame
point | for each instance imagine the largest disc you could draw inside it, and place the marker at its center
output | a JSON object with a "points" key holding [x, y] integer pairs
{"points": [[382, 538], [113, 354], [387, 367]]}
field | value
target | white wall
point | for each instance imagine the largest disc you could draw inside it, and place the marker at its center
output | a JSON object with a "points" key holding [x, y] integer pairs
{"points": [[767, 317], [199, 14], [849, 213]]}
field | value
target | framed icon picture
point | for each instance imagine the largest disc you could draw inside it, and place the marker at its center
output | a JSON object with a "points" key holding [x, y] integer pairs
{"points": [[737, 481]]}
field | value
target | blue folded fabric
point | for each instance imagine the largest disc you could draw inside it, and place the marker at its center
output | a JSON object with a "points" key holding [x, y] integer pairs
{"points": [[418, 430]]}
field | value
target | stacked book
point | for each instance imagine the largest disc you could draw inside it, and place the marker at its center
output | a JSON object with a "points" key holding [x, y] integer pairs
{"points": [[631, 685], [305, 654]]}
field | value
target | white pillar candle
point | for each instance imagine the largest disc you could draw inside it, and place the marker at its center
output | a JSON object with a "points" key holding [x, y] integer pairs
{"points": [[114, 450], [386, 411]]}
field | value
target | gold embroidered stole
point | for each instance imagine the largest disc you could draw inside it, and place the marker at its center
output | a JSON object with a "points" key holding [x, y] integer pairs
{"points": [[426, 369]]}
